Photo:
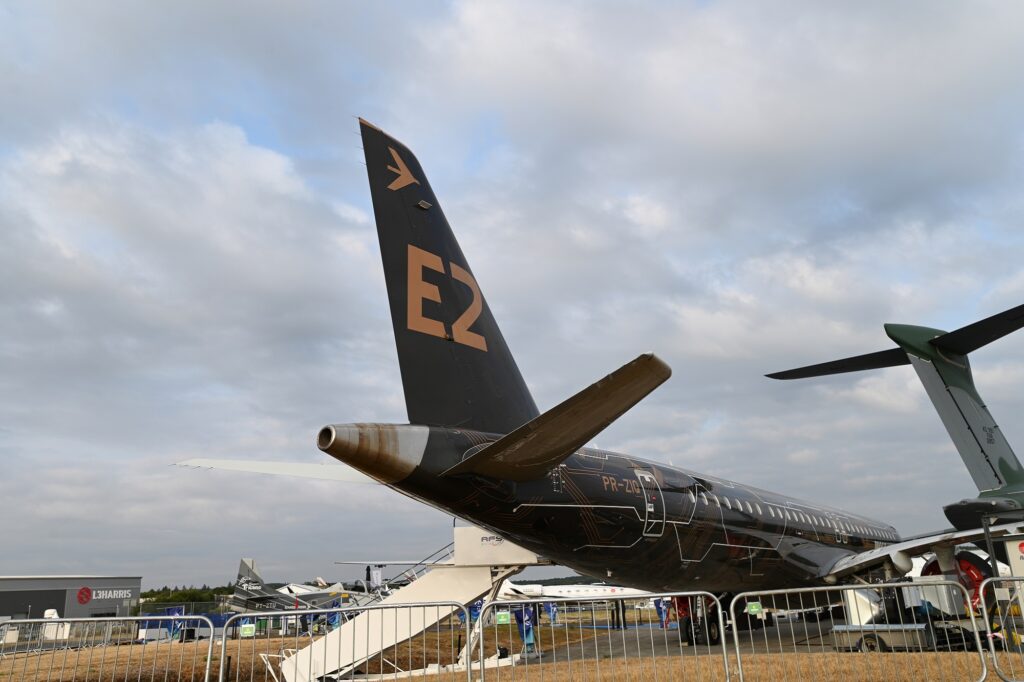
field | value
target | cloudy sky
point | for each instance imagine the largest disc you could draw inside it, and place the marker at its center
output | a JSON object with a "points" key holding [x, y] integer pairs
{"points": [[189, 268]]}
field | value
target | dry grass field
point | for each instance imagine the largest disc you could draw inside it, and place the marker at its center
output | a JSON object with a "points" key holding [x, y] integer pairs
{"points": [[174, 662]]}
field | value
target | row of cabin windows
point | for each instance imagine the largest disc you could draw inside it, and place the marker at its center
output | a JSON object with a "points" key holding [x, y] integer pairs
{"points": [[792, 515]]}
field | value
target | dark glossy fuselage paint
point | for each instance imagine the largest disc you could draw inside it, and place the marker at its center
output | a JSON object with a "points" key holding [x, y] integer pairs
{"points": [[636, 522]]}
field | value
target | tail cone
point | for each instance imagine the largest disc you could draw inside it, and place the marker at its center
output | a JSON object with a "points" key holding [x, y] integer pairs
{"points": [[387, 452]]}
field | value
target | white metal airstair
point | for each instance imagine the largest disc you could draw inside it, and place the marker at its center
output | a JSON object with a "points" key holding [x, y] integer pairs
{"points": [[480, 564]]}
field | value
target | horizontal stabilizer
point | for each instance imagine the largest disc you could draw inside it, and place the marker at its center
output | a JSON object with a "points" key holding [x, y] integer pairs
{"points": [[884, 358], [974, 336], [533, 449], [940, 360], [325, 472]]}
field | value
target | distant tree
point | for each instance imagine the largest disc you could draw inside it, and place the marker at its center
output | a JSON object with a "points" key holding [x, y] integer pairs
{"points": [[186, 594]]}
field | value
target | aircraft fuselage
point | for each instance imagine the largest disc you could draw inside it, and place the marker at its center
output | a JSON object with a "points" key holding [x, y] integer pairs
{"points": [[612, 516]]}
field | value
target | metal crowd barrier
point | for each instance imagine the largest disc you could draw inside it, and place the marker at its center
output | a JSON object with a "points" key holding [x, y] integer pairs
{"points": [[1003, 600], [142, 648], [598, 638], [919, 630], [381, 640]]}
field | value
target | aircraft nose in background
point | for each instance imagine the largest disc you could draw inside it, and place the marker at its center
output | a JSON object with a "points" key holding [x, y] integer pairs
{"points": [[387, 452]]}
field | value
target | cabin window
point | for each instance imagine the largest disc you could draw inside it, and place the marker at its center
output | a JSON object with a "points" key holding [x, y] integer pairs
{"points": [[750, 510], [759, 512], [727, 504], [715, 499], [771, 512], [704, 499], [786, 512], [693, 498]]}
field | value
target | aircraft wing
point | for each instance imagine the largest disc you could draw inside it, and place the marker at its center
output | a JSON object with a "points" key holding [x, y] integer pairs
{"points": [[378, 562], [326, 472], [900, 552]]}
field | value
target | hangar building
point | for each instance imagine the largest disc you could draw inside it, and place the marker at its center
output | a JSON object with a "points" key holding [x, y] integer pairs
{"points": [[73, 596]]}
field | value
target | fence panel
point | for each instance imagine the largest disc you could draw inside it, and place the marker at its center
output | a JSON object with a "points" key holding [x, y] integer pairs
{"points": [[381, 640], [143, 649], [896, 631], [1003, 599], [667, 637]]}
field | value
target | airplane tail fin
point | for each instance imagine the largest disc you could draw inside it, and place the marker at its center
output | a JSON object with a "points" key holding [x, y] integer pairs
{"points": [[940, 359], [457, 370], [249, 579]]}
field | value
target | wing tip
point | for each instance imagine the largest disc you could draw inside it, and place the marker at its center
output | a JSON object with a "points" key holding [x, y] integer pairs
{"points": [[659, 366]]}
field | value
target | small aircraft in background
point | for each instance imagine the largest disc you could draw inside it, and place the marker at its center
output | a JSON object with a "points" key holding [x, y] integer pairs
{"points": [[253, 593]]}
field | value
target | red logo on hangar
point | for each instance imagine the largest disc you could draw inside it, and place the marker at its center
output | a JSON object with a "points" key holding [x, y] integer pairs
{"points": [[84, 596]]}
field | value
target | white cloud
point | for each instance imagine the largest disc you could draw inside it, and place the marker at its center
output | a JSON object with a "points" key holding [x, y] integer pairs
{"points": [[189, 267]]}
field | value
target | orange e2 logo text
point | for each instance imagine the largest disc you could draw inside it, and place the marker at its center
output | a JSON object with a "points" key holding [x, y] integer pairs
{"points": [[421, 290]]}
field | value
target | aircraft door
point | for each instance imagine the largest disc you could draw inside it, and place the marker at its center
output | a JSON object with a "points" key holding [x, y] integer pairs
{"points": [[654, 504]]}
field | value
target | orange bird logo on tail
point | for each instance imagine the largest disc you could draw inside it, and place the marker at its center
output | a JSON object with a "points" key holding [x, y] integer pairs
{"points": [[405, 178]]}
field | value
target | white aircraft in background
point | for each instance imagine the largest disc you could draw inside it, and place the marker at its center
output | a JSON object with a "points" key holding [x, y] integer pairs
{"points": [[511, 591]]}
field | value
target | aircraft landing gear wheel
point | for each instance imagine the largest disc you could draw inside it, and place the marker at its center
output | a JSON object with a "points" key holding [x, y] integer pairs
{"points": [[871, 643], [714, 634], [708, 632], [687, 630]]}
